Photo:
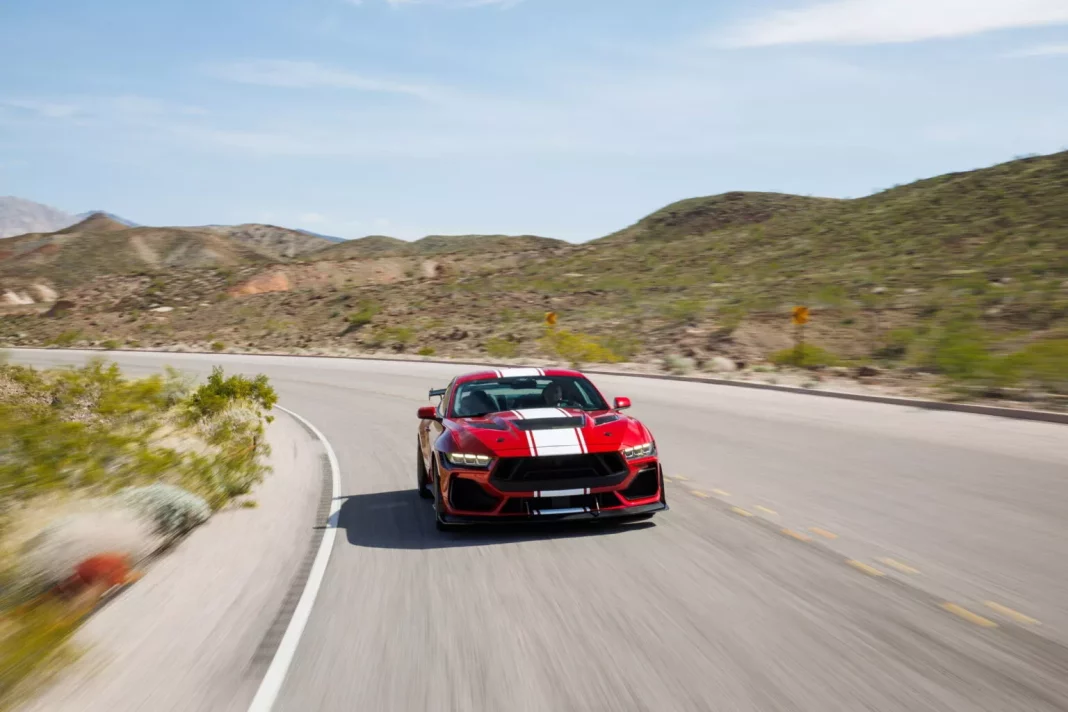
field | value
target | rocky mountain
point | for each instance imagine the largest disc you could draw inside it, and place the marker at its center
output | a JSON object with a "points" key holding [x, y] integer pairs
{"points": [[19, 216], [278, 241], [101, 246], [110, 216], [381, 245]]}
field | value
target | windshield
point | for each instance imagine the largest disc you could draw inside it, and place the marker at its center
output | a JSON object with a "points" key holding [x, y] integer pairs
{"points": [[496, 395]]}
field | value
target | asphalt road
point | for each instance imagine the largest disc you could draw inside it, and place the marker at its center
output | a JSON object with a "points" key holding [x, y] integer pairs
{"points": [[957, 597]]}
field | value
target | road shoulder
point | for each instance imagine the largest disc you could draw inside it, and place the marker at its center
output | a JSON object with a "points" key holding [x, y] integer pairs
{"points": [[198, 631]]}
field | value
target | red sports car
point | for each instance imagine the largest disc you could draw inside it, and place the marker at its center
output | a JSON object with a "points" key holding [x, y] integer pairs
{"points": [[539, 444]]}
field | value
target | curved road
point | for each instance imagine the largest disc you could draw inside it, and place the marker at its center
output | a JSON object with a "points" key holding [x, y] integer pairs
{"points": [[894, 559]]}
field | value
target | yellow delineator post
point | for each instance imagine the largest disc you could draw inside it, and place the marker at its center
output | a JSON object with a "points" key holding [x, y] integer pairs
{"points": [[550, 318], [799, 319]]}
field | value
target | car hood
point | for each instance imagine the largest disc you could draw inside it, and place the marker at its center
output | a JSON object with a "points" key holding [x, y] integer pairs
{"points": [[546, 432]]}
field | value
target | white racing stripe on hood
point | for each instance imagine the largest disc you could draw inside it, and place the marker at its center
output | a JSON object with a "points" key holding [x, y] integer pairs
{"points": [[556, 442]]}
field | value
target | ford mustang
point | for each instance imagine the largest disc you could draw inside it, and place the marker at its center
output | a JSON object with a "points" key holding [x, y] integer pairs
{"points": [[534, 444]]}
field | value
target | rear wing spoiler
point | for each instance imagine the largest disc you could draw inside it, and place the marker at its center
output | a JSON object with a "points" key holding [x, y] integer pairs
{"points": [[437, 392]]}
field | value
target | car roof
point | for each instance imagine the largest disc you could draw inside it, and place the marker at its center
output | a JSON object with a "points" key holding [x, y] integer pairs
{"points": [[495, 373]]}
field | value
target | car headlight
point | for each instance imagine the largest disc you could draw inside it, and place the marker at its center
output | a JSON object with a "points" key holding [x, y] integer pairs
{"points": [[643, 450], [466, 460]]}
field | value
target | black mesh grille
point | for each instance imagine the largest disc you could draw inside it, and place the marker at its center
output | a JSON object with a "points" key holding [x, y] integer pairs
{"points": [[469, 496], [608, 418], [559, 472], [646, 484]]}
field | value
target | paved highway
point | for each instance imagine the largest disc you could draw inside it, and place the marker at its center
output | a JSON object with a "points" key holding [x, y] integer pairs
{"points": [[819, 555]]}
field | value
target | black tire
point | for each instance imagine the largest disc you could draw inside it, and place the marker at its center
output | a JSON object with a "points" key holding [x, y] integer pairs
{"points": [[420, 475]]}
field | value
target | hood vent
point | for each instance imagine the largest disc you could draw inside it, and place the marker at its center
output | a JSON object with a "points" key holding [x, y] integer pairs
{"points": [[605, 419], [576, 421]]}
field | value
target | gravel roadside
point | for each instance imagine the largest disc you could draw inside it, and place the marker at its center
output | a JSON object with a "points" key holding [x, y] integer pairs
{"points": [[196, 632]]}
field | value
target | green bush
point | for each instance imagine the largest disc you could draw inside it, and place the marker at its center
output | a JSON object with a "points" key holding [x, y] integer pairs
{"points": [[364, 315], [501, 348], [220, 392], [577, 348], [67, 338], [111, 345], [218, 346], [426, 351], [683, 311], [808, 356]]}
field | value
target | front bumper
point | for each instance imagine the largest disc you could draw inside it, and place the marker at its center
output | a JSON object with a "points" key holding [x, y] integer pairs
{"points": [[548, 516], [479, 496]]}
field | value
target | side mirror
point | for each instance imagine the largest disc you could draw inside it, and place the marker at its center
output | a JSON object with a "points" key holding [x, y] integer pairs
{"points": [[428, 412], [622, 403]]}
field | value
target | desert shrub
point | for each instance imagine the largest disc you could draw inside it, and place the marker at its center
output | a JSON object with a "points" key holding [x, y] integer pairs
{"points": [[960, 351], [111, 345], [426, 351], [896, 344], [66, 338], [364, 315], [218, 346], [220, 392], [807, 356], [678, 365], [501, 348], [683, 311], [1043, 365], [577, 348], [34, 645], [173, 510]]}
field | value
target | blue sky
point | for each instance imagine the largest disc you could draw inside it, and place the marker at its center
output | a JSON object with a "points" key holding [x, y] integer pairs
{"points": [[568, 118]]}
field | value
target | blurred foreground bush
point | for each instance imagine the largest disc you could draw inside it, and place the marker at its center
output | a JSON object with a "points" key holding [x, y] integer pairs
{"points": [[100, 471]]}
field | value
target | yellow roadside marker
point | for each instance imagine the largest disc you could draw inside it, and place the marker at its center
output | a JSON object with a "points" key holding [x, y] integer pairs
{"points": [[823, 533], [903, 568], [969, 616], [796, 535], [871, 571], [765, 510], [739, 510], [1009, 613]]}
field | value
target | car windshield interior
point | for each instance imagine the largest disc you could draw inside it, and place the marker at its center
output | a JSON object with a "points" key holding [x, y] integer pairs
{"points": [[476, 398]]}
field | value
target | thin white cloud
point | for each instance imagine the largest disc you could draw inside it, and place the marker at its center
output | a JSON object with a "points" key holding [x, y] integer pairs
{"points": [[1042, 51], [452, 3], [297, 74], [892, 21], [47, 109]]}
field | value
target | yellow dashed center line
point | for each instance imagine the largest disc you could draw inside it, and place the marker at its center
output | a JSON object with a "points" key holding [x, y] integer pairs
{"points": [[742, 512], [903, 568], [699, 493], [796, 535], [859, 566], [1009, 613], [765, 510], [969, 616], [823, 533], [680, 478], [721, 493]]}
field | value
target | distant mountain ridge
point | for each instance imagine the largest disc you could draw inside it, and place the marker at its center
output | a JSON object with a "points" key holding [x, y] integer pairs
{"points": [[110, 216]]}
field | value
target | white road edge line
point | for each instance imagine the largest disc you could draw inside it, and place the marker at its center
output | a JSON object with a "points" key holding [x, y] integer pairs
{"points": [[272, 681]]}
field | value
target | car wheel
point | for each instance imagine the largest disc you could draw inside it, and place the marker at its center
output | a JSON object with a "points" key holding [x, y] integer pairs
{"points": [[420, 475]]}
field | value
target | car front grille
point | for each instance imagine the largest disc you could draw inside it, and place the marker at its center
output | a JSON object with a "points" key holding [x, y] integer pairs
{"points": [[518, 474]]}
